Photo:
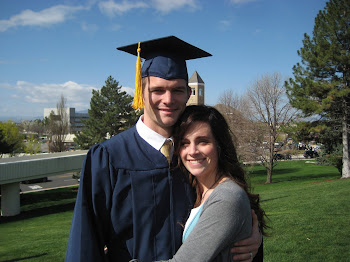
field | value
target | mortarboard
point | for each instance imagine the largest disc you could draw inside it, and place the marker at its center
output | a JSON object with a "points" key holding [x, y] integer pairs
{"points": [[164, 57]]}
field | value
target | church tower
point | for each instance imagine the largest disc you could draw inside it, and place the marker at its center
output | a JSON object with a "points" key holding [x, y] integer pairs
{"points": [[196, 84]]}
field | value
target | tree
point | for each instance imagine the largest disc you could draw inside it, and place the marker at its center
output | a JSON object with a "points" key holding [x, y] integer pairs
{"points": [[245, 132], [36, 126], [321, 84], [11, 140], [58, 126], [3, 144], [32, 146], [110, 113], [270, 108]]}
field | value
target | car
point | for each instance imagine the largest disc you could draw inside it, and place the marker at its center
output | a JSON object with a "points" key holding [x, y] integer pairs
{"points": [[35, 180], [310, 154], [279, 156]]}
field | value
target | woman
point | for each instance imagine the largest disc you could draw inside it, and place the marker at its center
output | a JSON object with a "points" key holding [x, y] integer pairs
{"points": [[222, 211]]}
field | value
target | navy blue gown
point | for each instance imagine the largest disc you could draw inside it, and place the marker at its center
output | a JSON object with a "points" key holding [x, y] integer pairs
{"points": [[130, 201]]}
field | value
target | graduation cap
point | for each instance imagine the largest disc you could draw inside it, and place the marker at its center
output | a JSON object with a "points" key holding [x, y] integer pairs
{"points": [[164, 57]]}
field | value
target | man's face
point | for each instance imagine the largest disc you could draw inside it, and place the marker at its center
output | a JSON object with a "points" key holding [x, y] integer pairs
{"points": [[164, 101]]}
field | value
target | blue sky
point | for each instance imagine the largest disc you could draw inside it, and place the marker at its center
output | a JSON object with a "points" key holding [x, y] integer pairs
{"points": [[50, 47]]}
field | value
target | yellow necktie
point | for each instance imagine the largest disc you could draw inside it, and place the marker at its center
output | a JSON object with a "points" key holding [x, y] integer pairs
{"points": [[166, 149]]}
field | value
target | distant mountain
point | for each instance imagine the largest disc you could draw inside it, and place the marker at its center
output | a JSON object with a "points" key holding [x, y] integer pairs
{"points": [[18, 119], [85, 111]]}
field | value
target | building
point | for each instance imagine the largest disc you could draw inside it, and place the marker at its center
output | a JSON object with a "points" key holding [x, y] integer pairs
{"points": [[75, 123], [196, 84]]}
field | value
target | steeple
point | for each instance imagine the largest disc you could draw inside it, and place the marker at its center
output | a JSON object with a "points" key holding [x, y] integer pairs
{"points": [[196, 84], [195, 78]]}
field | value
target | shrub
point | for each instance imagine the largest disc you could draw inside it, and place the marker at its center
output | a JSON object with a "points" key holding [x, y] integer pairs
{"points": [[334, 158]]}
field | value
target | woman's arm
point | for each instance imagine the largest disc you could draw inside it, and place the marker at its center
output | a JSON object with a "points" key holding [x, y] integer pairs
{"points": [[252, 244], [225, 219]]}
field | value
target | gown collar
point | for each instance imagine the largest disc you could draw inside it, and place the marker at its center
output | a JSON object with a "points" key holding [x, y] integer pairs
{"points": [[151, 137]]}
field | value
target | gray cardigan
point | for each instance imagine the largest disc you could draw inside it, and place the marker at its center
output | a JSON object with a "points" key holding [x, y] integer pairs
{"points": [[225, 219]]}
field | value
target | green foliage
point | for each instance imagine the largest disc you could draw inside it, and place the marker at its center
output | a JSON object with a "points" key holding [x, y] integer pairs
{"points": [[322, 80], [32, 146], [321, 84], [332, 158], [331, 136], [110, 113], [11, 140]]}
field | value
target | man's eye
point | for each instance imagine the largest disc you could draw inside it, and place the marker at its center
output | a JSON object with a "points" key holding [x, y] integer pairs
{"points": [[156, 90], [179, 90]]}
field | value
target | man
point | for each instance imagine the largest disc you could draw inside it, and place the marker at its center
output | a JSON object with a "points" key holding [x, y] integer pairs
{"points": [[130, 201]]}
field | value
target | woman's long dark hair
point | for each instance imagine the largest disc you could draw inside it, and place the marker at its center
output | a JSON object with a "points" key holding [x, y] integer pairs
{"points": [[228, 164]]}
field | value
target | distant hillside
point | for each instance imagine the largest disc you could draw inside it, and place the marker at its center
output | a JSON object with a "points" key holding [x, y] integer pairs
{"points": [[85, 111], [18, 119]]}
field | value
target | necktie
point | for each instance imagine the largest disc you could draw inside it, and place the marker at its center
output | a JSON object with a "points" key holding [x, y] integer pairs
{"points": [[166, 149]]}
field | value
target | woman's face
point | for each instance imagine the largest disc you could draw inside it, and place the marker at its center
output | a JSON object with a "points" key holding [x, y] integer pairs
{"points": [[198, 151]]}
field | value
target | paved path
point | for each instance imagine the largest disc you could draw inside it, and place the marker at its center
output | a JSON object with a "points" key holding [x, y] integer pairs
{"points": [[64, 180]]}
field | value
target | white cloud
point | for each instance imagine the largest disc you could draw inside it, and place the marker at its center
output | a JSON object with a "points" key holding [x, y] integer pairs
{"points": [[44, 95], [46, 17], [112, 8], [166, 6], [77, 95], [25, 100], [128, 90]]}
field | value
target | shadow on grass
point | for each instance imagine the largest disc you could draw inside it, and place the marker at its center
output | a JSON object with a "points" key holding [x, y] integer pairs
{"points": [[281, 171], [38, 212], [293, 174], [44, 203], [48, 196], [25, 258], [309, 177], [269, 199]]}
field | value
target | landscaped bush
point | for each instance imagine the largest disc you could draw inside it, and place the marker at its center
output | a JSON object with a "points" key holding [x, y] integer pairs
{"points": [[334, 158]]}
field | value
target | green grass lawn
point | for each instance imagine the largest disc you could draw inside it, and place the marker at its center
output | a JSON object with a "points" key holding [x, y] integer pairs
{"points": [[308, 208], [40, 232]]}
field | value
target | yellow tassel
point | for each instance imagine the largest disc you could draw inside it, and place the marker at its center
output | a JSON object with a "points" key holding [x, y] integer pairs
{"points": [[138, 101]]}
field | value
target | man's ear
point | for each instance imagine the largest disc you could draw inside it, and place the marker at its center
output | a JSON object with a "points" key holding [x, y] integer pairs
{"points": [[189, 92], [145, 84]]}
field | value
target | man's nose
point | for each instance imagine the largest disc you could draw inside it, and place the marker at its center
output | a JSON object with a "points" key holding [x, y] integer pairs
{"points": [[168, 97]]}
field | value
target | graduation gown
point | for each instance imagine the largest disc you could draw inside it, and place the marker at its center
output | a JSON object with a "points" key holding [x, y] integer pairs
{"points": [[130, 201]]}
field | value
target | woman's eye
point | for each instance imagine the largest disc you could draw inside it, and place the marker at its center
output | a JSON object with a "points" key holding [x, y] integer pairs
{"points": [[184, 143]]}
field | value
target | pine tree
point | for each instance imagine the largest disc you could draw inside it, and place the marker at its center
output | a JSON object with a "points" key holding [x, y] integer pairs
{"points": [[110, 113], [322, 80]]}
